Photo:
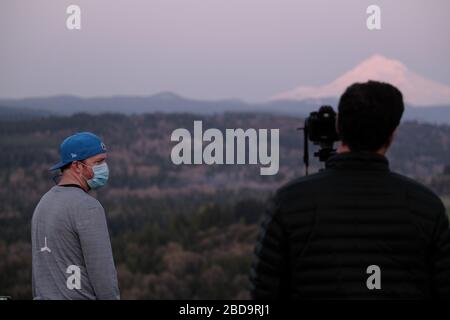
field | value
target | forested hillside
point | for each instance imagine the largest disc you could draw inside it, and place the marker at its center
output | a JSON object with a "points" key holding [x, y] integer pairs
{"points": [[177, 231]]}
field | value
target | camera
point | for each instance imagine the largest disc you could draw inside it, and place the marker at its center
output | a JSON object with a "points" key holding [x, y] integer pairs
{"points": [[320, 129]]}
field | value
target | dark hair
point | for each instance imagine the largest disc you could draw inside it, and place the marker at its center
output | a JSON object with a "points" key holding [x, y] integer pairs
{"points": [[65, 167], [368, 114]]}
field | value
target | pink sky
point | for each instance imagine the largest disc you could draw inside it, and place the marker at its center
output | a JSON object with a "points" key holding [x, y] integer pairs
{"points": [[210, 49]]}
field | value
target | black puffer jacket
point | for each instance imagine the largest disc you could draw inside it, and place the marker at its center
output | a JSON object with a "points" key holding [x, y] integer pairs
{"points": [[323, 231]]}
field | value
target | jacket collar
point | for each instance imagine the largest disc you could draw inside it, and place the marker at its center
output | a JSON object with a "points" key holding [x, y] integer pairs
{"points": [[361, 160]]}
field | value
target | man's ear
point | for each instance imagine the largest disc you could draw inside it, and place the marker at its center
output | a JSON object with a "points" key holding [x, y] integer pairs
{"points": [[391, 138], [394, 134], [75, 166]]}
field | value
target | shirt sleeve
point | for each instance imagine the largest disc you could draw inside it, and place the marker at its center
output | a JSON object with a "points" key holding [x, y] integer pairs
{"points": [[96, 246]]}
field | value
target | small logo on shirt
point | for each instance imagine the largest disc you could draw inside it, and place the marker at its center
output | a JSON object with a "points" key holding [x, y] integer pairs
{"points": [[45, 247]]}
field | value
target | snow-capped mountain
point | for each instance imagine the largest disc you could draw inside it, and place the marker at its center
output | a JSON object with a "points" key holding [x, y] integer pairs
{"points": [[417, 90]]}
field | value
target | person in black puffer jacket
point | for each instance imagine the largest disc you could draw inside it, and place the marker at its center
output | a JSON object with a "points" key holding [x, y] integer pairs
{"points": [[355, 230]]}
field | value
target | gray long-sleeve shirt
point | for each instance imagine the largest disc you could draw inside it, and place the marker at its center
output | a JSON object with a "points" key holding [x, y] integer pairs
{"points": [[72, 256]]}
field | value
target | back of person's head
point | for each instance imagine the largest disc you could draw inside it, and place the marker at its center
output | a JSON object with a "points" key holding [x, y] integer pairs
{"points": [[368, 114]]}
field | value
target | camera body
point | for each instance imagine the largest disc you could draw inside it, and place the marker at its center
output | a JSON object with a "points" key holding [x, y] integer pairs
{"points": [[321, 126], [320, 129]]}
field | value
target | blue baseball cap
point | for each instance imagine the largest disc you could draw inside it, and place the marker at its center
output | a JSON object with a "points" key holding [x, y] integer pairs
{"points": [[79, 146]]}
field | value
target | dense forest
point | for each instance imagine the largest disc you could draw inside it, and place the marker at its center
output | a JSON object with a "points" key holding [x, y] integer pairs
{"points": [[177, 231]]}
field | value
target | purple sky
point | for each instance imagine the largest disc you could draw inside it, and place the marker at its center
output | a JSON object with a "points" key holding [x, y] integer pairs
{"points": [[210, 49]]}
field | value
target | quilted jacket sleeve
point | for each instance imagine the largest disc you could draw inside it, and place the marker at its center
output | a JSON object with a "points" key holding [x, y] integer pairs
{"points": [[441, 256], [270, 274]]}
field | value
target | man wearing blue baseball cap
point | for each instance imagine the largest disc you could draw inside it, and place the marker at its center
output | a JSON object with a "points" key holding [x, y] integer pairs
{"points": [[71, 248]]}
